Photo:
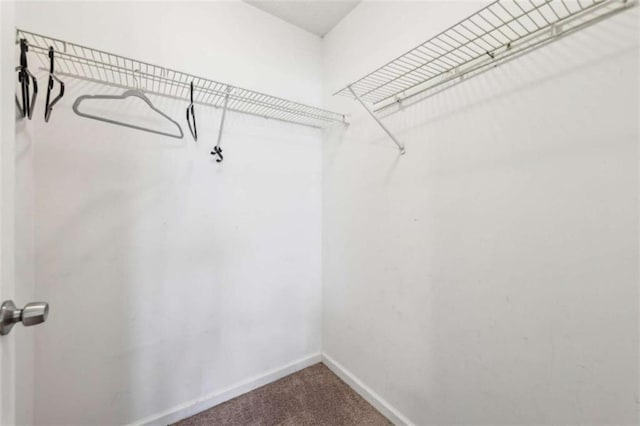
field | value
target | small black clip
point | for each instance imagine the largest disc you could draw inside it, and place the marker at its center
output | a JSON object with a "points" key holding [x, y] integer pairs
{"points": [[23, 77], [217, 151], [191, 111], [49, 105]]}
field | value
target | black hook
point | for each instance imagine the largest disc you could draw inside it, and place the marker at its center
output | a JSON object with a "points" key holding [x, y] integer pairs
{"points": [[49, 106], [191, 110], [23, 77], [217, 151]]}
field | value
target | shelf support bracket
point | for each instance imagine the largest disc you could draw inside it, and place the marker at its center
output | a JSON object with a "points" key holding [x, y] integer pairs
{"points": [[216, 149], [380, 123]]}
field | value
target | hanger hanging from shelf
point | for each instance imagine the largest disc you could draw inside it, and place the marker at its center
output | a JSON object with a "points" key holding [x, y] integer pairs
{"points": [[97, 66], [28, 103], [217, 151], [52, 77], [127, 94], [191, 115]]}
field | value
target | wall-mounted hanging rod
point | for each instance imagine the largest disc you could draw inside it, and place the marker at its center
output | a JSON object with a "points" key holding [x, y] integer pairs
{"points": [[496, 33], [90, 64]]}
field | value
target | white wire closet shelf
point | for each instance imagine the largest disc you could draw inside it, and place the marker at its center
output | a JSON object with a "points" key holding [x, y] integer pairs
{"points": [[496, 32], [86, 63]]}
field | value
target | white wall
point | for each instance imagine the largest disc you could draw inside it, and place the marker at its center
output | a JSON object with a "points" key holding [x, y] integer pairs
{"points": [[490, 275], [487, 276], [171, 277]]}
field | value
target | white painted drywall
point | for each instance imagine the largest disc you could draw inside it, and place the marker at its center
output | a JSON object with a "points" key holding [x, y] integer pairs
{"points": [[317, 17], [171, 277], [490, 275]]}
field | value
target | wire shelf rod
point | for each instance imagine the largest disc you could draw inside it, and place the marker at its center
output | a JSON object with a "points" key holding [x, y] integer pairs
{"points": [[492, 31], [82, 62], [498, 32]]}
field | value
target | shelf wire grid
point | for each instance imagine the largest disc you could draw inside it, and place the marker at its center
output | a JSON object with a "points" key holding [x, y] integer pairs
{"points": [[494, 33], [95, 65]]}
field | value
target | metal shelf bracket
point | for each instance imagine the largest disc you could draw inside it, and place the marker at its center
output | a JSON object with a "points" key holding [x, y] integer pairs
{"points": [[380, 123]]}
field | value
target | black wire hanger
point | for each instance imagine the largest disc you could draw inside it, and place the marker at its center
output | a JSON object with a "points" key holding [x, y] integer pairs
{"points": [[49, 105], [191, 111], [24, 75]]}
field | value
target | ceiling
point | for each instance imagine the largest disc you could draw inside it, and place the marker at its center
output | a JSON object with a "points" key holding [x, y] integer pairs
{"points": [[315, 16]]}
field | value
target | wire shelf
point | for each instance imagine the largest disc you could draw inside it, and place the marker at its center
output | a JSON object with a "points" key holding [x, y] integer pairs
{"points": [[496, 32], [86, 63]]}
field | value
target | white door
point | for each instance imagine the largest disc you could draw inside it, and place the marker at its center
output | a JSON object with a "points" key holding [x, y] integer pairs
{"points": [[16, 347], [7, 143]]}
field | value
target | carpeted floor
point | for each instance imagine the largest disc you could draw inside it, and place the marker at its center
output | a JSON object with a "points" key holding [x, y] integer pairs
{"points": [[313, 396]]}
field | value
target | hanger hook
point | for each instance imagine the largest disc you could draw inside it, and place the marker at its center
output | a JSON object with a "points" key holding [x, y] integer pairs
{"points": [[136, 82], [51, 60]]}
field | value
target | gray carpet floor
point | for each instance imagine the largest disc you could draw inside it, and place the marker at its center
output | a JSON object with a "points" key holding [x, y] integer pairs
{"points": [[313, 396]]}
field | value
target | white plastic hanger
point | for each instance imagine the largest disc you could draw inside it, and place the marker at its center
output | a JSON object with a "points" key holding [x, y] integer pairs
{"points": [[129, 93]]}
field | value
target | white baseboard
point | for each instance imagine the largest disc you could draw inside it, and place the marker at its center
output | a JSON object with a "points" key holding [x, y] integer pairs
{"points": [[395, 416], [204, 403]]}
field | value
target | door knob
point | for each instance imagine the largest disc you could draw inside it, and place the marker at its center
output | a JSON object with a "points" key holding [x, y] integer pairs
{"points": [[33, 313]]}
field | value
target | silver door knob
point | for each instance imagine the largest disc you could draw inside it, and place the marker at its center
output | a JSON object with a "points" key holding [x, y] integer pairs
{"points": [[32, 314]]}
